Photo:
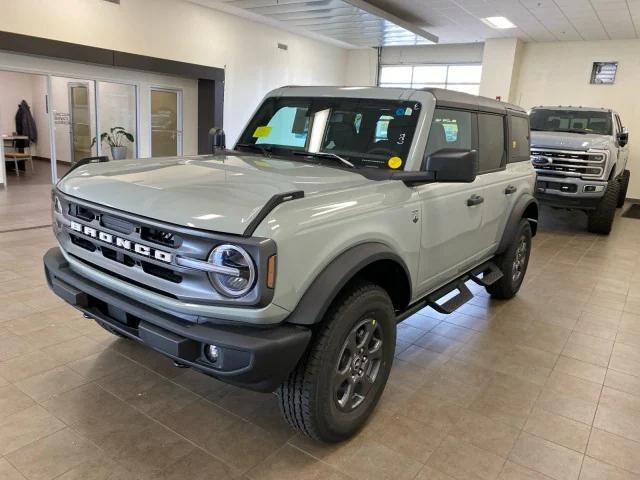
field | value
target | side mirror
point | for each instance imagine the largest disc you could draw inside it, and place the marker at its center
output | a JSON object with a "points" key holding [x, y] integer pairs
{"points": [[453, 165], [623, 138], [448, 165], [217, 139]]}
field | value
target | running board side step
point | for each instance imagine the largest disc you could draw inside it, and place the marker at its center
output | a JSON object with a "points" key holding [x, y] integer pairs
{"points": [[455, 301], [490, 274], [484, 275]]}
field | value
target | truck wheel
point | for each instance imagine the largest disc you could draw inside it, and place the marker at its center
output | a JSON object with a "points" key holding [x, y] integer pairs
{"points": [[601, 219], [338, 382], [513, 263], [624, 185]]}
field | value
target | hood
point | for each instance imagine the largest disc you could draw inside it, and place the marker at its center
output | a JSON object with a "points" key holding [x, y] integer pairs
{"points": [[221, 192], [569, 141]]}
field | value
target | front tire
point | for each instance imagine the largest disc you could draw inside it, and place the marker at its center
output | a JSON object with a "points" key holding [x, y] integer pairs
{"points": [[513, 263], [601, 219], [624, 186], [337, 384]]}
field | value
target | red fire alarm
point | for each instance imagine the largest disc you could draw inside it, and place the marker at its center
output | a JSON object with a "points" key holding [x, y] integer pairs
{"points": [[499, 98]]}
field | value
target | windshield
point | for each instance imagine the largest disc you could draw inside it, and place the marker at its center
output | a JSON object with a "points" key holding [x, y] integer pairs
{"points": [[574, 121], [364, 132]]}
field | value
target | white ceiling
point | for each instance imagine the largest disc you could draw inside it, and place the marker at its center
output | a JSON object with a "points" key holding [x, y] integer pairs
{"points": [[458, 21], [368, 23], [351, 23]]}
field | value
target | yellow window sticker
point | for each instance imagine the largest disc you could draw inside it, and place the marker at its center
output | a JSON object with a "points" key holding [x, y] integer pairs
{"points": [[262, 132], [394, 162]]}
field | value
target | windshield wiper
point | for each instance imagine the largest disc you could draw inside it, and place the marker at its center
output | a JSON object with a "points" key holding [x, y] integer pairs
{"points": [[264, 149], [326, 155]]}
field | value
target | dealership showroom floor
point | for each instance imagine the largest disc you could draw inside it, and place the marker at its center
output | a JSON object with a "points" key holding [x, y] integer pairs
{"points": [[543, 386]]}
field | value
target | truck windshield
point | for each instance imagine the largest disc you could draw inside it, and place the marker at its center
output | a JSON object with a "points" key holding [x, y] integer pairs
{"points": [[573, 121], [364, 132]]}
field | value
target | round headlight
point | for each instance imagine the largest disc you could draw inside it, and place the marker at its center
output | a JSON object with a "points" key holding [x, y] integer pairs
{"points": [[240, 275]]}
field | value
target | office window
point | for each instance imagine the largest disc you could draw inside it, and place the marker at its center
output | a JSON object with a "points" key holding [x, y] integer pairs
{"points": [[462, 78], [491, 142]]}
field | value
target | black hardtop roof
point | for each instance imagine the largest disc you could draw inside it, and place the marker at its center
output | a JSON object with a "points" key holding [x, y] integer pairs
{"points": [[466, 101]]}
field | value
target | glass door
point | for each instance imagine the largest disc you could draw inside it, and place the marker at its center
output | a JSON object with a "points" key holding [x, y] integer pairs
{"points": [[80, 121], [166, 122], [73, 112]]}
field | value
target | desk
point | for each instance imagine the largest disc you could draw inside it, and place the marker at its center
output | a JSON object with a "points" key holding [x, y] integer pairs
{"points": [[12, 139]]}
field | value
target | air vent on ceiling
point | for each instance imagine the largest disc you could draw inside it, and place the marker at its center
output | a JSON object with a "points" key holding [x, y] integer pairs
{"points": [[283, 46], [113, 1]]}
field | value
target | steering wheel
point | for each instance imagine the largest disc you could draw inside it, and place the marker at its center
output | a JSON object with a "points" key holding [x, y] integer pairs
{"points": [[382, 151]]}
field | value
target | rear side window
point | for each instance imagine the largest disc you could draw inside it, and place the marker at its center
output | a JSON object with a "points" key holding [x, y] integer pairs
{"points": [[519, 141], [449, 129], [491, 142]]}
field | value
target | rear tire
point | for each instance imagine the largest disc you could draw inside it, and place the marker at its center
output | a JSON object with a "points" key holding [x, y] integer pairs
{"points": [[601, 219], [355, 343], [624, 186], [513, 263]]}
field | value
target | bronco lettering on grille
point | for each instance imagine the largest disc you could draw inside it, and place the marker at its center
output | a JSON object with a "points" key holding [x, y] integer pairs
{"points": [[122, 243]]}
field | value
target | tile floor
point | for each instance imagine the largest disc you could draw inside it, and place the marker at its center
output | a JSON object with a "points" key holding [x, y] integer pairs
{"points": [[545, 386]]}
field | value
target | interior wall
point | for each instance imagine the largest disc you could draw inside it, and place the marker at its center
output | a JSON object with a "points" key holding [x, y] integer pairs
{"points": [[558, 73], [446, 53], [500, 65], [15, 87], [362, 67], [188, 32]]}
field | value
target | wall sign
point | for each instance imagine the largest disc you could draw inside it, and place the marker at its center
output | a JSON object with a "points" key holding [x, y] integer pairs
{"points": [[60, 118], [604, 73]]}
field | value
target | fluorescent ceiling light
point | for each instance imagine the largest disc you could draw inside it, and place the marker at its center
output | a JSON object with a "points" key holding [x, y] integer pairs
{"points": [[498, 22]]}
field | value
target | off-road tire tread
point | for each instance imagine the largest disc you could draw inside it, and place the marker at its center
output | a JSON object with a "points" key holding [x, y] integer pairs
{"points": [[502, 289], [601, 219], [295, 393], [624, 186]]}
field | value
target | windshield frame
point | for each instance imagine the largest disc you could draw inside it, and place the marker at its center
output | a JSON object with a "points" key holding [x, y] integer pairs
{"points": [[572, 115], [296, 153]]}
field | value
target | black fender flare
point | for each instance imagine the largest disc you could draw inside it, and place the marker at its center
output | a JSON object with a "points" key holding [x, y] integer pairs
{"points": [[327, 285], [516, 215]]}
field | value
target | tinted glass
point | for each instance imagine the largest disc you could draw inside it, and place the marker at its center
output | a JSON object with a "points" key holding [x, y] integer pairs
{"points": [[366, 132], [519, 142], [491, 141], [449, 129], [573, 121]]}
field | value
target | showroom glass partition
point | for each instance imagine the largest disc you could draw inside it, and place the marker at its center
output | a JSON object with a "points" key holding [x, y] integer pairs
{"points": [[73, 104], [117, 112], [166, 122]]}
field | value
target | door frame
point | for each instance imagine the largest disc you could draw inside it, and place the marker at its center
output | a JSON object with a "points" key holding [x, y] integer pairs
{"points": [[70, 86], [179, 119]]}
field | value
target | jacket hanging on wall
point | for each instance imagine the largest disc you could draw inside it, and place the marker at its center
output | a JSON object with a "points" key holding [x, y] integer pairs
{"points": [[25, 124]]}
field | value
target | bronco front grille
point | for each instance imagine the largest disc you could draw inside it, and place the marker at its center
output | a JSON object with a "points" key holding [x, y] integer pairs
{"points": [[568, 163]]}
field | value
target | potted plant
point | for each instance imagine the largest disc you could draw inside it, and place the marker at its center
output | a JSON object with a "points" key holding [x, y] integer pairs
{"points": [[116, 138]]}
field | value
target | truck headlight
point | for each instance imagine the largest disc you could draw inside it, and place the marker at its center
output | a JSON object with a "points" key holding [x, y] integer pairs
{"points": [[237, 274], [57, 206], [597, 158]]}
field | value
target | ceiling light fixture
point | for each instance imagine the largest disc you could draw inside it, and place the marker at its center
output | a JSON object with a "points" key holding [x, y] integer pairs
{"points": [[498, 22]]}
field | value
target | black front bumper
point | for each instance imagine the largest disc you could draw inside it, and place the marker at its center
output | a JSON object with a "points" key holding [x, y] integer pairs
{"points": [[566, 201], [251, 357]]}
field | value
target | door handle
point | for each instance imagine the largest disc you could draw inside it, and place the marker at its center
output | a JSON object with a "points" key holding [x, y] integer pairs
{"points": [[474, 200], [510, 189]]}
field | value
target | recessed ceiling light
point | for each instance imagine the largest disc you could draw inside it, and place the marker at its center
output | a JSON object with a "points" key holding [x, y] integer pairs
{"points": [[498, 22]]}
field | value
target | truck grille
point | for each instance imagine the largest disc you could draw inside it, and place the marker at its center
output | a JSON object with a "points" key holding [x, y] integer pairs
{"points": [[567, 163]]}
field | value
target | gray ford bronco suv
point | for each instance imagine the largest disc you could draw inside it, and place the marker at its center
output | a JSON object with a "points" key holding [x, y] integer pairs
{"points": [[580, 155], [285, 263]]}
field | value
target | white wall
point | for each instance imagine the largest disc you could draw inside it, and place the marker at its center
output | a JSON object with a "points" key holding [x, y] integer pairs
{"points": [[558, 73], [446, 53], [362, 68], [15, 87], [500, 63], [187, 32]]}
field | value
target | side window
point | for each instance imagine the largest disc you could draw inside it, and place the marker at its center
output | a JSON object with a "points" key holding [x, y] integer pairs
{"points": [[618, 124], [449, 129], [289, 126], [519, 141], [491, 142]]}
